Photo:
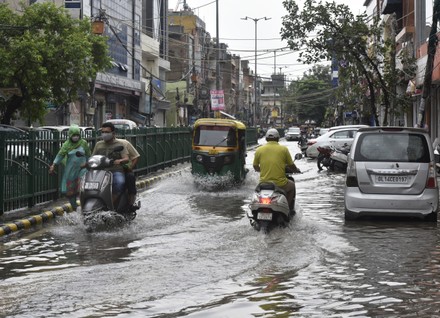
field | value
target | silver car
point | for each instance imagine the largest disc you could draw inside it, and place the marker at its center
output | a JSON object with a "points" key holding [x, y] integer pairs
{"points": [[391, 172], [293, 133]]}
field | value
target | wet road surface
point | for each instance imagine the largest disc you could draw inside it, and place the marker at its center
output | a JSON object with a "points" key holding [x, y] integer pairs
{"points": [[193, 253]]}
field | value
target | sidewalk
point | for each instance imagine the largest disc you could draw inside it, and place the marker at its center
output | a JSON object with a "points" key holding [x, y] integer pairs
{"points": [[26, 218]]}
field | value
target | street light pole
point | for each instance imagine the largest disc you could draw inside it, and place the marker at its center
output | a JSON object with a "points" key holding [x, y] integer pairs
{"points": [[255, 66]]}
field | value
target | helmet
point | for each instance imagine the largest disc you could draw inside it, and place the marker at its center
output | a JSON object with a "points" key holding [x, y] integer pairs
{"points": [[272, 133]]}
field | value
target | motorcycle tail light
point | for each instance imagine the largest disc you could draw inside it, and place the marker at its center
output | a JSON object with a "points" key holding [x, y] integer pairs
{"points": [[265, 200]]}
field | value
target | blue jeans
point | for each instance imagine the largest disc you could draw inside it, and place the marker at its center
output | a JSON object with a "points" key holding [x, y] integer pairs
{"points": [[118, 182]]}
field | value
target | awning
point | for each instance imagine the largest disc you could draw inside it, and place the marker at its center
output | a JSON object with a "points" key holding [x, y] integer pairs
{"points": [[163, 104], [391, 6]]}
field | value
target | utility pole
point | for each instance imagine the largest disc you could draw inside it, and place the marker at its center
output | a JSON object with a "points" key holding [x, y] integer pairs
{"points": [[427, 82], [254, 122]]}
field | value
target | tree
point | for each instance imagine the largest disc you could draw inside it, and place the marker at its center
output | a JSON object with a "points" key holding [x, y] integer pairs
{"points": [[427, 81], [308, 98], [322, 31], [47, 57]]}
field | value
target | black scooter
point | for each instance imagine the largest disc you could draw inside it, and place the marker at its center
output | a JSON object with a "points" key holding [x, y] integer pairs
{"points": [[96, 196]]}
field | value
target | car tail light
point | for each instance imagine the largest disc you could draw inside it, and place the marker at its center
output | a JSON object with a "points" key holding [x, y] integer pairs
{"points": [[431, 182], [351, 178]]}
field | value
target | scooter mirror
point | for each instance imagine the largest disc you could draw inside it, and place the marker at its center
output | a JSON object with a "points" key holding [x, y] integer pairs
{"points": [[118, 149], [298, 156]]}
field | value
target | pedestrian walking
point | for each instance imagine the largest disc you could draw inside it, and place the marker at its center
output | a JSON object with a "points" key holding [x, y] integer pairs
{"points": [[73, 164]]}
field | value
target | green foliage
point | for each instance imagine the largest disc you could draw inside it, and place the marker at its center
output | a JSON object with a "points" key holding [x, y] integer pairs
{"points": [[49, 56], [322, 31], [309, 97]]}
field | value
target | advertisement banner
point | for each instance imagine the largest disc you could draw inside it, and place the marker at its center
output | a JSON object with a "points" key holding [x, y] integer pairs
{"points": [[217, 100]]}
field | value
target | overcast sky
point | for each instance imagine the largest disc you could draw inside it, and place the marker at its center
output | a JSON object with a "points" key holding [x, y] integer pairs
{"points": [[239, 34]]}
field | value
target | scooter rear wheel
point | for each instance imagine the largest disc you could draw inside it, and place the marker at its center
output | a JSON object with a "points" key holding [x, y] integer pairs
{"points": [[264, 227]]}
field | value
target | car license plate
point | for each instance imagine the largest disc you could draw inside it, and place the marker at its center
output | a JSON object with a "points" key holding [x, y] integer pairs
{"points": [[91, 186], [392, 179], [264, 216]]}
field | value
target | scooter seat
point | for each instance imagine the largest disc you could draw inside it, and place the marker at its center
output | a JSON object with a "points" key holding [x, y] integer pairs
{"points": [[269, 186], [265, 186]]}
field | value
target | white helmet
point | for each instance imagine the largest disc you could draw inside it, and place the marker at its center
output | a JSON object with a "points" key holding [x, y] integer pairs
{"points": [[272, 133]]}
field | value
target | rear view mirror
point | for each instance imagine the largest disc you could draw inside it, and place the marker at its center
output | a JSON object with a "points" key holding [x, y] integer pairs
{"points": [[298, 156]]}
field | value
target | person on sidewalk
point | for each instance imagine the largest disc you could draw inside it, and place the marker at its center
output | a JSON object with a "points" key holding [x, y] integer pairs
{"points": [[73, 165], [271, 160]]}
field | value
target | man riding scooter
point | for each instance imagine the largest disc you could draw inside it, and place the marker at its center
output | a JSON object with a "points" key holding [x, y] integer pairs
{"points": [[106, 147], [271, 160]]}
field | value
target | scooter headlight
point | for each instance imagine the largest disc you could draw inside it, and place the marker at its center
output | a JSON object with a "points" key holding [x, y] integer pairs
{"points": [[94, 162]]}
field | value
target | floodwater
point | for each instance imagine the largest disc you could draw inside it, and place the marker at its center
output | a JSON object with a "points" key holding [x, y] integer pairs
{"points": [[193, 253]]}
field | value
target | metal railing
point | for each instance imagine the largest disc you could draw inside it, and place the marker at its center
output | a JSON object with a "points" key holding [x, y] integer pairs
{"points": [[26, 158]]}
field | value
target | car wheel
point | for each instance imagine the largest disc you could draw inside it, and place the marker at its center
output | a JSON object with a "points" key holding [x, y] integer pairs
{"points": [[431, 217], [350, 216]]}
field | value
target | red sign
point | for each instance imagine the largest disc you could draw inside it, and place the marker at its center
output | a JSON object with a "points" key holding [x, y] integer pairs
{"points": [[217, 99]]}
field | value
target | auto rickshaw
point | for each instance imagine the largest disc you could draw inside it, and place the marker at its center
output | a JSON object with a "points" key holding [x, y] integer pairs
{"points": [[219, 148]]}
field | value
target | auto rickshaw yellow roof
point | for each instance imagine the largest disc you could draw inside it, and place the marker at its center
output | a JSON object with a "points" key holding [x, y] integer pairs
{"points": [[220, 122]]}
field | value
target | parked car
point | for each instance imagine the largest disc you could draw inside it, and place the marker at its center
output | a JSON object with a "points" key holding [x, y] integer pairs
{"points": [[391, 172], [347, 126], [323, 131], [334, 137], [17, 146], [293, 133], [123, 124], [64, 129]]}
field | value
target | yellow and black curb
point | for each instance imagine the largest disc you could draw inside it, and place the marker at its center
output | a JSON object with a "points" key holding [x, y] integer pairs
{"points": [[45, 216], [33, 220]]}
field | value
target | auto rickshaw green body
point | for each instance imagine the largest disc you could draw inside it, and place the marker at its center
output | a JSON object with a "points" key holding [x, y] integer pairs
{"points": [[219, 148]]}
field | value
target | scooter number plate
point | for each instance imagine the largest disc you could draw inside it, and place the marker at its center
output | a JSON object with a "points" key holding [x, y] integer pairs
{"points": [[91, 186], [264, 216]]}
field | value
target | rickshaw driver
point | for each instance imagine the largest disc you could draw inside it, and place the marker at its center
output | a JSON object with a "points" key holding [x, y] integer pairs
{"points": [[271, 160]]}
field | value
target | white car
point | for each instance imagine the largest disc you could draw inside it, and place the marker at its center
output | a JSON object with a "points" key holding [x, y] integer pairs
{"points": [[123, 124], [391, 172], [293, 133], [334, 137]]}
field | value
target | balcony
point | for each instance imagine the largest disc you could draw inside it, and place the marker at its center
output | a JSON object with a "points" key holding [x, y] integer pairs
{"points": [[391, 6]]}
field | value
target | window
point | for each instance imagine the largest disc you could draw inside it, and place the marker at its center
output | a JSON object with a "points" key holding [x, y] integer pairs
{"points": [[392, 147], [215, 136]]}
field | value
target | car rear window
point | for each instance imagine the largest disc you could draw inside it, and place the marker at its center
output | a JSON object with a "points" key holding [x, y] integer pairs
{"points": [[392, 147]]}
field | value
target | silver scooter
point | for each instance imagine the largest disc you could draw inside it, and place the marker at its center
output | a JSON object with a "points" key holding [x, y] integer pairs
{"points": [[269, 207], [96, 196]]}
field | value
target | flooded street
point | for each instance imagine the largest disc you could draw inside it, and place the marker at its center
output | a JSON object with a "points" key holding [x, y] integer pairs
{"points": [[193, 253]]}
